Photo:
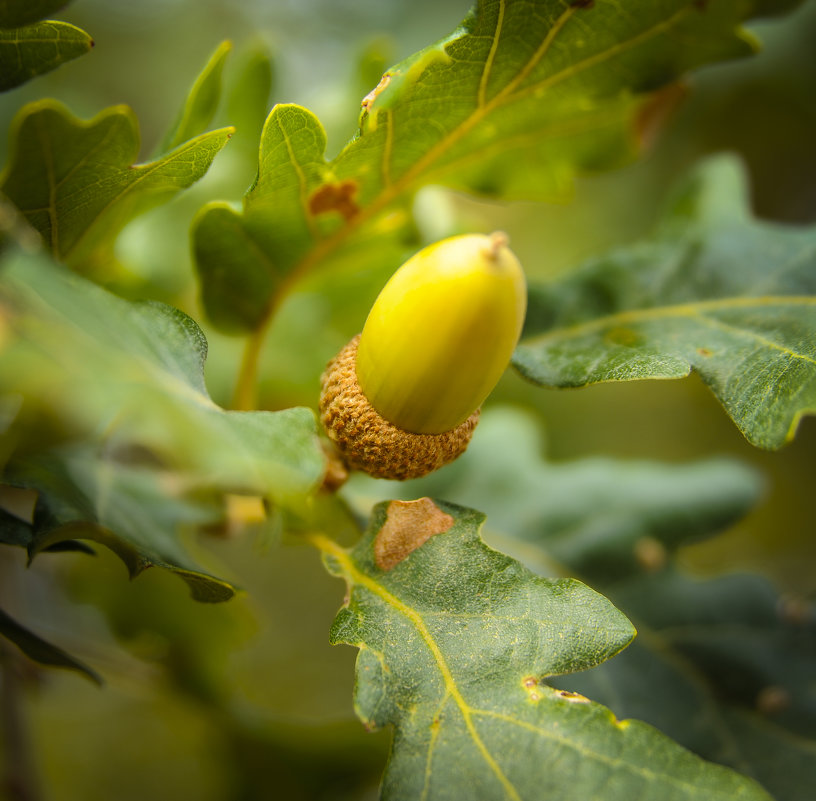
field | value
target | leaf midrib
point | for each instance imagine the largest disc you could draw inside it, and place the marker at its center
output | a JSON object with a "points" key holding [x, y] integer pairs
{"points": [[694, 309], [394, 189], [355, 576]]}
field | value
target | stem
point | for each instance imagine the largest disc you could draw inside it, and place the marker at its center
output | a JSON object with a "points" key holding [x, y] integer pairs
{"points": [[246, 389], [19, 779]]}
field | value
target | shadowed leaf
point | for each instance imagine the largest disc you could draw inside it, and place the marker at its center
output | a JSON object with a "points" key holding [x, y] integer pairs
{"points": [[36, 648], [35, 49], [157, 455], [714, 291]]}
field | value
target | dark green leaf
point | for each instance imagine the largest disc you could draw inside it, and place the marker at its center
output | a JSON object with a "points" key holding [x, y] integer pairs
{"points": [[127, 379], [517, 101], [75, 182], [714, 290], [201, 103], [455, 643], [39, 650], [730, 660], [35, 49], [14, 531], [16, 13]]}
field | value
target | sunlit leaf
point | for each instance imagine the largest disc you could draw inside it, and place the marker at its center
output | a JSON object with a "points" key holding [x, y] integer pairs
{"points": [[38, 649], [715, 291], [201, 103], [75, 182], [35, 49], [456, 643], [724, 666], [518, 100]]}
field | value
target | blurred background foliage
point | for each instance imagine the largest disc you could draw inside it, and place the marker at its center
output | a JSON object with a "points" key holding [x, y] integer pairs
{"points": [[229, 701]]}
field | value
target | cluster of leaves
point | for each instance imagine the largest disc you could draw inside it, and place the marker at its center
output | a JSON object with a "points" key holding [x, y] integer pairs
{"points": [[106, 417]]}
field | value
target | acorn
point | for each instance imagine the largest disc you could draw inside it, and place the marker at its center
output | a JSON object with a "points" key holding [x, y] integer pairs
{"points": [[402, 399]]}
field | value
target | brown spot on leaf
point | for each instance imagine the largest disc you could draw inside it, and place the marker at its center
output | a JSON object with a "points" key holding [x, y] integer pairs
{"points": [[530, 682], [656, 111], [704, 351], [575, 698], [582, 4], [368, 100], [408, 525], [335, 197]]}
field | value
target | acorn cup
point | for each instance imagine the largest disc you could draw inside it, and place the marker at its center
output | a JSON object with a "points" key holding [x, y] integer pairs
{"points": [[402, 399]]}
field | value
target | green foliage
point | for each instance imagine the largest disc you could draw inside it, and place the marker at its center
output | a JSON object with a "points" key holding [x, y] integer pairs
{"points": [[513, 104], [201, 103], [75, 182], [731, 658], [32, 50], [471, 656], [140, 449], [677, 302], [482, 634], [41, 651]]}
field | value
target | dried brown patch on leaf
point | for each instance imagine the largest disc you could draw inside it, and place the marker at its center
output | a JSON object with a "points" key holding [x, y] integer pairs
{"points": [[335, 197], [408, 525]]}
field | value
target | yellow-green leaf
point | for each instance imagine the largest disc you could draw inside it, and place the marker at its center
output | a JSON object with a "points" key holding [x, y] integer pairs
{"points": [[75, 181], [37, 48]]}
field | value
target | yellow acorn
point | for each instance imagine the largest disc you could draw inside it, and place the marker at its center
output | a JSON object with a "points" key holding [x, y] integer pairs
{"points": [[402, 399]]}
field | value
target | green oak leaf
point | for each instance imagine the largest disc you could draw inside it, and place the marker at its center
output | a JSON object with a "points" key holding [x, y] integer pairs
{"points": [[17, 13], [515, 103], [456, 641], [35, 49], [41, 651], [243, 259], [736, 661], [131, 447], [731, 660], [201, 103], [714, 290], [75, 182]]}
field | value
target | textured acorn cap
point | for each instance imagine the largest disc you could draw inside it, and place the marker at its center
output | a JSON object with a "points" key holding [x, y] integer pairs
{"points": [[367, 441]]}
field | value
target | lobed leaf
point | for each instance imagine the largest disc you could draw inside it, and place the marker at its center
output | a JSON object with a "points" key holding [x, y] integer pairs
{"points": [[242, 259], [41, 651], [75, 182], [201, 103], [522, 97], [34, 49], [714, 291], [140, 450], [456, 642], [730, 659]]}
